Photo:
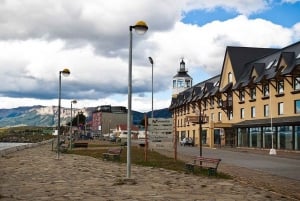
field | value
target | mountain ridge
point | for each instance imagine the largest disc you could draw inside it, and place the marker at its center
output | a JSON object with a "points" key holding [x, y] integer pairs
{"points": [[39, 115]]}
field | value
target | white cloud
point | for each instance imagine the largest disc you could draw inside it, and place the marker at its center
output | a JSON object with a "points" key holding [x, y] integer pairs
{"points": [[245, 7], [204, 47], [91, 39]]}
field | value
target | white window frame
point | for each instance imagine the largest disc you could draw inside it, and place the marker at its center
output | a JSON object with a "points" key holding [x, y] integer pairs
{"points": [[242, 113], [280, 108], [266, 110], [280, 87], [253, 112]]}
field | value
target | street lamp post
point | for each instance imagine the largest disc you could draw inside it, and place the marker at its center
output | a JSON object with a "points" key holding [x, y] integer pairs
{"points": [[65, 72], [73, 101], [140, 28], [272, 150], [151, 61]]}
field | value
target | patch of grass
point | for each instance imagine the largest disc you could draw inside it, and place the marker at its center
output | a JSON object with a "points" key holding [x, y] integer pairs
{"points": [[108, 144], [154, 159]]}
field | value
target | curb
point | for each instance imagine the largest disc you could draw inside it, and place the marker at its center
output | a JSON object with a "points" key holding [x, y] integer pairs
{"points": [[4, 152]]}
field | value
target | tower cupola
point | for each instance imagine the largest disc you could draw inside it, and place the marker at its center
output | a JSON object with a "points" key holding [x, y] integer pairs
{"points": [[182, 80]]}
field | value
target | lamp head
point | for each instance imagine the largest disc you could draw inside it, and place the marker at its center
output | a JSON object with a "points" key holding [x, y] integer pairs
{"points": [[74, 101], [140, 27], [151, 60], [66, 72]]}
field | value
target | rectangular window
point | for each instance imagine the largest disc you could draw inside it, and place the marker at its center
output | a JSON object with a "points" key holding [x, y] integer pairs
{"points": [[266, 110], [280, 87], [242, 96], [229, 77], [297, 83], [297, 106], [280, 108], [253, 93], [253, 114], [266, 90], [220, 116], [242, 113]]}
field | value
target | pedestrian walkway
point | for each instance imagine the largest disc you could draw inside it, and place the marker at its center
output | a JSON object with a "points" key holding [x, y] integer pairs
{"points": [[36, 174]]}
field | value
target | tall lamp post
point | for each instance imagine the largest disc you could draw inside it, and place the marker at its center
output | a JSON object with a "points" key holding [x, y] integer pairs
{"points": [[151, 61], [140, 28], [146, 136], [73, 101], [272, 150], [65, 72]]}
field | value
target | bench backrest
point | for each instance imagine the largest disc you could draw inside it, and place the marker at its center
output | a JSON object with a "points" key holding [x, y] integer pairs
{"points": [[115, 151], [203, 160]]}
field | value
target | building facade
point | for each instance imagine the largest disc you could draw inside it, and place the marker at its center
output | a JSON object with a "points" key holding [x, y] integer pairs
{"points": [[106, 118], [254, 102]]}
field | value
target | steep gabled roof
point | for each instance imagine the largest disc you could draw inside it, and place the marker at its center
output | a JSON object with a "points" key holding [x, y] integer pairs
{"points": [[240, 56]]}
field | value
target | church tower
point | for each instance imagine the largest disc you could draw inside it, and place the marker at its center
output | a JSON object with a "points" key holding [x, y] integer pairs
{"points": [[181, 81]]}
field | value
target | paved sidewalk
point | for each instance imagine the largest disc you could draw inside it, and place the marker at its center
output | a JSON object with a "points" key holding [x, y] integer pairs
{"points": [[36, 174]]}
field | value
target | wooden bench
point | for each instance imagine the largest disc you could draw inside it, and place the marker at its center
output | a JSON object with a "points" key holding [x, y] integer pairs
{"points": [[211, 164], [112, 154], [80, 144]]}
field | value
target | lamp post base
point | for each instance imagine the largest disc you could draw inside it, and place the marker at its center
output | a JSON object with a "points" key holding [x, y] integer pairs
{"points": [[272, 152]]}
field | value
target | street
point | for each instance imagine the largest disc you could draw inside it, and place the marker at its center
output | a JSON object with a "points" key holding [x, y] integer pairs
{"points": [[272, 164]]}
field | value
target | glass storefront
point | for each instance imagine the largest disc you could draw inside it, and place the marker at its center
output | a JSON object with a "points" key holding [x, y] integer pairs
{"points": [[255, 137], [217, 136], [285, 137], [267, 137], [297, 137], [242, 137]]}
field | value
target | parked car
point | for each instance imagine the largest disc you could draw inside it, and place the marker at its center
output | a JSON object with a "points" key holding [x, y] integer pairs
{"points": [[113, 138], [187, 142]]}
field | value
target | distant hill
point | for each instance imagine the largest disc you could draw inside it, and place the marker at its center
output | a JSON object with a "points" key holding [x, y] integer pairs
{"points": [[47, 115], [162, 113]]}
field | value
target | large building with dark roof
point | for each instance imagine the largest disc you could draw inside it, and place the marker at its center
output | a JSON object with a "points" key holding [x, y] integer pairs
{"points": [[254, 102]]}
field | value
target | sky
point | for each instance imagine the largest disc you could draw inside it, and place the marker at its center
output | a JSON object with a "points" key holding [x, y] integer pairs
{"points": [[38, 39]]}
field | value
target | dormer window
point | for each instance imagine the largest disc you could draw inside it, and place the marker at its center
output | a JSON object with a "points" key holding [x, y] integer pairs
{"points": [[297, 83], [242, 96], [216, 84], [265, 90], [253, 93], [272, 63], [280, 87], [229, 77]]}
